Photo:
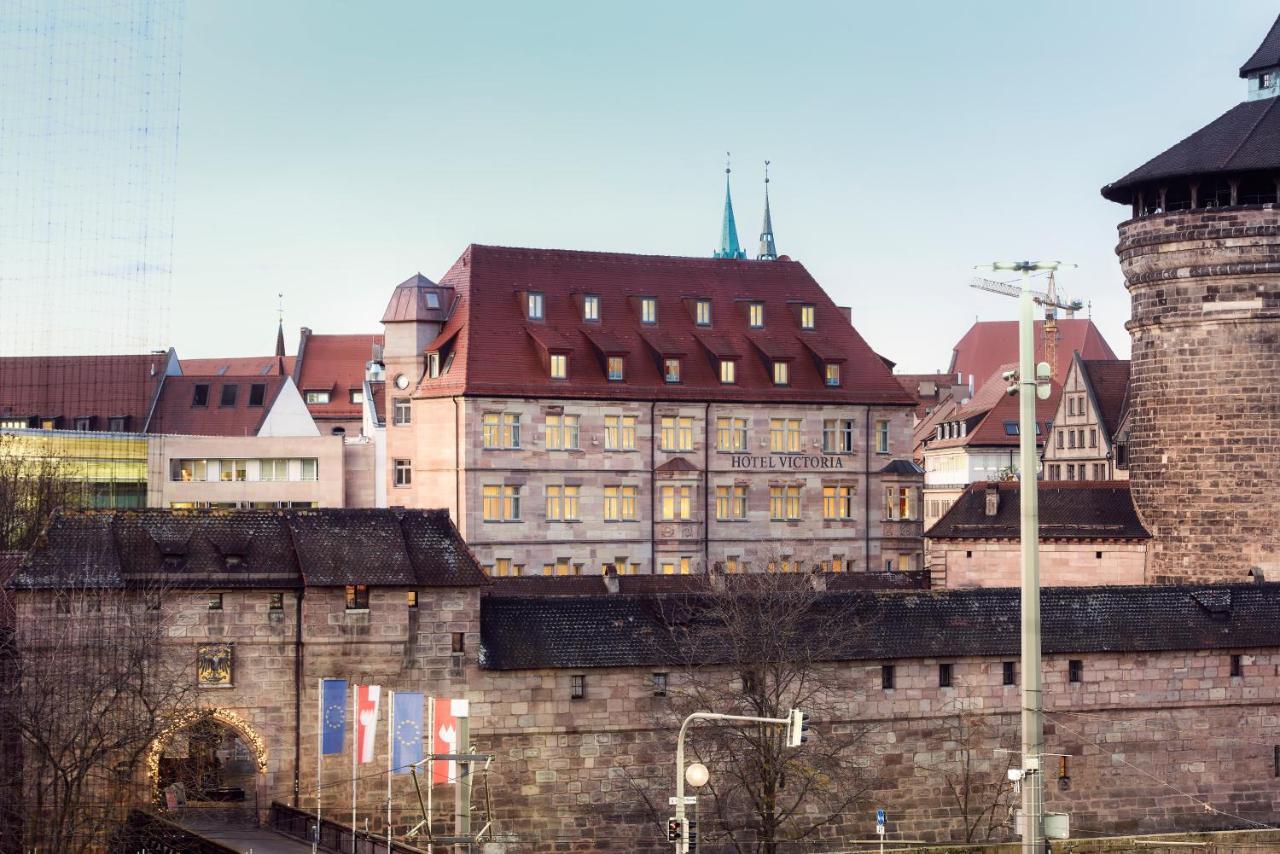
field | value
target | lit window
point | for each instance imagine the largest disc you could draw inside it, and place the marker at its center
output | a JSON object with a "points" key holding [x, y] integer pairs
{"points": [[882, 436], [784, 503], [591, 307], [402, 411], [620, 503], [806, 317], [784, 435], [619, 432], [676, 433], [357, 597], [671, 370], [901, 503], [215, 601], [728, 371], [411, 598], [648, 310], [355, 395], [837, 502], [615, 368], [562, 503], [500, 503], [559, 366], [502, 568], [562, 432], [731, 502], [833, 374], [781, 374], [837, 436], [755, 315], [500, 430], [731, 564], [404, 472], [683, 566], [317, 397], [702, 312], [677, 503], [535, 306], [731, 434]]}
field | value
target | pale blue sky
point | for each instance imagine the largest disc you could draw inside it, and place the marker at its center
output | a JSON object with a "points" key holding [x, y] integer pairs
{"points": [[331, 149]]}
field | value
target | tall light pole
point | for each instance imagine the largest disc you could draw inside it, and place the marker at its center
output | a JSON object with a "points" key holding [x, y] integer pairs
{"points": [[1028, 391]]}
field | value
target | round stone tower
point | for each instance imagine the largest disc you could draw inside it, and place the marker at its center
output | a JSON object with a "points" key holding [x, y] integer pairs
{"points": [[1201, 259]]}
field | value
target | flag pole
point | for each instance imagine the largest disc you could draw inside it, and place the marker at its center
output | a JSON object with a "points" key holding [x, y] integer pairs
{"points": [[431, 762], [315, 839], [355, 748], [391, 726]]}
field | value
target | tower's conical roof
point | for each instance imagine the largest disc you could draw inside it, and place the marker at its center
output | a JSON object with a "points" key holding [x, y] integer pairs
{"points": [[1268, 53], [729, 246]]}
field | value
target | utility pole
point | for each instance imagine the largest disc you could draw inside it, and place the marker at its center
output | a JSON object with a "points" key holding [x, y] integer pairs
{"points": [[1029, 390]]}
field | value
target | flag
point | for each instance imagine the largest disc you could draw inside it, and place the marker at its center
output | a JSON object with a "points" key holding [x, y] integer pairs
{"points": [[333, 693], [445, 738], [407, 739], [367, 697]]}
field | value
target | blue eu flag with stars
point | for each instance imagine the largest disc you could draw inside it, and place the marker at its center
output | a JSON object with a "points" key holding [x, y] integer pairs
{"points": [[406, 741], [333, 721]]}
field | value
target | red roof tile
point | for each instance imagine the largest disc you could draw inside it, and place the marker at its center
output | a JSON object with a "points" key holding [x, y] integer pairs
{"points": [[175, 413], [236, 366], [1001, 410], [991, 343], [70, 387], [336, 364], [492, 355], [1109, 379]]}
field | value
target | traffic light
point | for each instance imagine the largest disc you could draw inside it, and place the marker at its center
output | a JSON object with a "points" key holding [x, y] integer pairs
{"points": [[798, 728], [675, 829]]}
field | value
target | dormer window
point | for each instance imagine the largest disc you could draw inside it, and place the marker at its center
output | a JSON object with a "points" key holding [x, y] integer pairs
{"points": [[257, 394], [559, 366], [535, 306], [433, 299], [200, 395], [84, 423], [648, 310], [228, 395], [1266, 79], [316, 397], [755, 315], [615, 368], [806, 316], [355, 395], [832, 374], [781, 373], [433, 364], [728, 371], [671, 370], [591, 307], [702, 312]]}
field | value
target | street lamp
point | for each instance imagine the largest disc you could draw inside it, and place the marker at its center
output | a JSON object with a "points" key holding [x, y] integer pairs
{"points": [[697, 775], [1032, 702]]}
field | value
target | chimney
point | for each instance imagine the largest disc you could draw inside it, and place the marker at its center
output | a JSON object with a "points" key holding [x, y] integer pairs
{"points": [[993, 500], [611, 584]]}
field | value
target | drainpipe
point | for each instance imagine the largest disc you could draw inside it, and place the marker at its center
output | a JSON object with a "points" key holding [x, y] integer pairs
{"points": [[653, 490], [297, 696], [457, 465], [866, 491]]}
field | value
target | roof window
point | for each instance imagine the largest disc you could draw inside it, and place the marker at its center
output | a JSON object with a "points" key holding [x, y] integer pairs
{"points": [[257, 394], [755, 315], [200, 395], [615, 368], [671, 370], [806, 316], [1011, 428], [702, 312], [591, 307], [316, 396], [781, 373], [433, 299], [228, 397], [648, 310], [559, 366], [534, 302], [728, 371]]}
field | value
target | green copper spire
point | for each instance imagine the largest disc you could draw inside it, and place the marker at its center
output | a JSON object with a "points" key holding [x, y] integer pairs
{"points": [[729, 247], [768, 249]]}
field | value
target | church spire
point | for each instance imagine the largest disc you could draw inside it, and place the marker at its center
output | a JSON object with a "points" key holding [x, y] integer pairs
{"points": [[729, 247], [768, 249], [280, 337]]}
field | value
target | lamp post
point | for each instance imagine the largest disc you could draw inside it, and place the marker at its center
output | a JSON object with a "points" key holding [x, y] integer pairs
{"points": [[1028, 390]]}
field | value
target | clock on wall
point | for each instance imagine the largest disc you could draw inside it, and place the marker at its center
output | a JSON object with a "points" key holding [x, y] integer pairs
{"points": [[402, 382]]}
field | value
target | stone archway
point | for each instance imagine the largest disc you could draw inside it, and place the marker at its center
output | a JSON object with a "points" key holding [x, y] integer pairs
{"points": [[186, 721]]}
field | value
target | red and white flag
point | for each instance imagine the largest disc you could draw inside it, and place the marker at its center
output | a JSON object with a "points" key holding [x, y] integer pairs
{"points": [[367, 697], [444, 738]]}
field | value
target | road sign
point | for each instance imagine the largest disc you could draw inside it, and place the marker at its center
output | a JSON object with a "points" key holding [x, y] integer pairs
{"points": [[689, 800], [880, 822]]}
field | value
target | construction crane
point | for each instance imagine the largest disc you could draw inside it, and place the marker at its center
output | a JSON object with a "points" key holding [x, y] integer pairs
{"points": [[1047, 298]]}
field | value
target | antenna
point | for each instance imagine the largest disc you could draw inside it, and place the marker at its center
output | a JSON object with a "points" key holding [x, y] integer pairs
{"points": [[727, 170], [280, 307]]}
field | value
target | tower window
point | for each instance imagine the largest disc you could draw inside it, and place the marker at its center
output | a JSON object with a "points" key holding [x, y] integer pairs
{"points": [[702, 312], [535, 306], [591, 307], [648, 310]]}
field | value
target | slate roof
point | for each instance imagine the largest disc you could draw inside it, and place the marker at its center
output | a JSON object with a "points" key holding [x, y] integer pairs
{"points": [[1245, 138], [991, 343], [1069, 510], [176, 415], [250, 548], [336, 364], [901, 467], [586, 585], [1268, 53], [493, 353], [526, 633], [1109, 379], [69, 387]]}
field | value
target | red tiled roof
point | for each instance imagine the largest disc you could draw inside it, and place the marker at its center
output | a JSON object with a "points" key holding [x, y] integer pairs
{"points": [[492, 354], [336, 364], [1109, 379], [236, 366], [991, 343], [175, 414], [70, 387], [1001, 410]]}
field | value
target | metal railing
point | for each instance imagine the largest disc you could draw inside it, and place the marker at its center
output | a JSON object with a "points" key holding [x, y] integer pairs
{"points": [[145, 831], [335, 837]]}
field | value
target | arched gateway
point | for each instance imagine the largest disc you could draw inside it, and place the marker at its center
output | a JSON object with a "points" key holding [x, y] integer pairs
{"points": [[221, 753]]}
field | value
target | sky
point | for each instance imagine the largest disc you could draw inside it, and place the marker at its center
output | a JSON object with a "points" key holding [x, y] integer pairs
{"points": [[329, 150]]}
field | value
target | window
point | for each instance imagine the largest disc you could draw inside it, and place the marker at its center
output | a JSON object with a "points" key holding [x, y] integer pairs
{"points": [[1071, 406], [458, 643], [755, 315], [1071, 438], [562, 503], [731, 564], [1099, 471], [887, 677], [231, 470], [784, 503], [577, 686], [559, 366], [619, 432], [1265, 80], [1237, 666], [837, 435], [411, 598], [1011, 428], [832, 375], [1008, 675], [683, 566], [648, 310], [781, 373], [276, 602], [200, 395], [503, 568], [116, 423], [357, 597], [355, 395], [84, 423], [677, 503], [501, 429], [401, 411], [591, 307], [316, 397], [535, 306], [784, 435], [500, 503], [257, 394], [561, 567], [404, 472], [1059, 439], [620, 503], [806, 317], [731, 434], [702, 312], [676, 433], [1075, 670], [731, 502], [615, 368], [1093, 437], [882, 436], [945, 675], [728, 371], [215, 601], [310, 469], [659, 684], [900, 503], [671, 370], [1071, 471], [837, 502], [562, 432]]}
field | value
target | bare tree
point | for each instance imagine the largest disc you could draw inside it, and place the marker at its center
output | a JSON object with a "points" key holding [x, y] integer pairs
{"points": [[761, 645], [33, 486]]}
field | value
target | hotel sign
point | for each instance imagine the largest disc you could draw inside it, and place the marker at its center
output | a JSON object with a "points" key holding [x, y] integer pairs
{"points": [[784, 462]]}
